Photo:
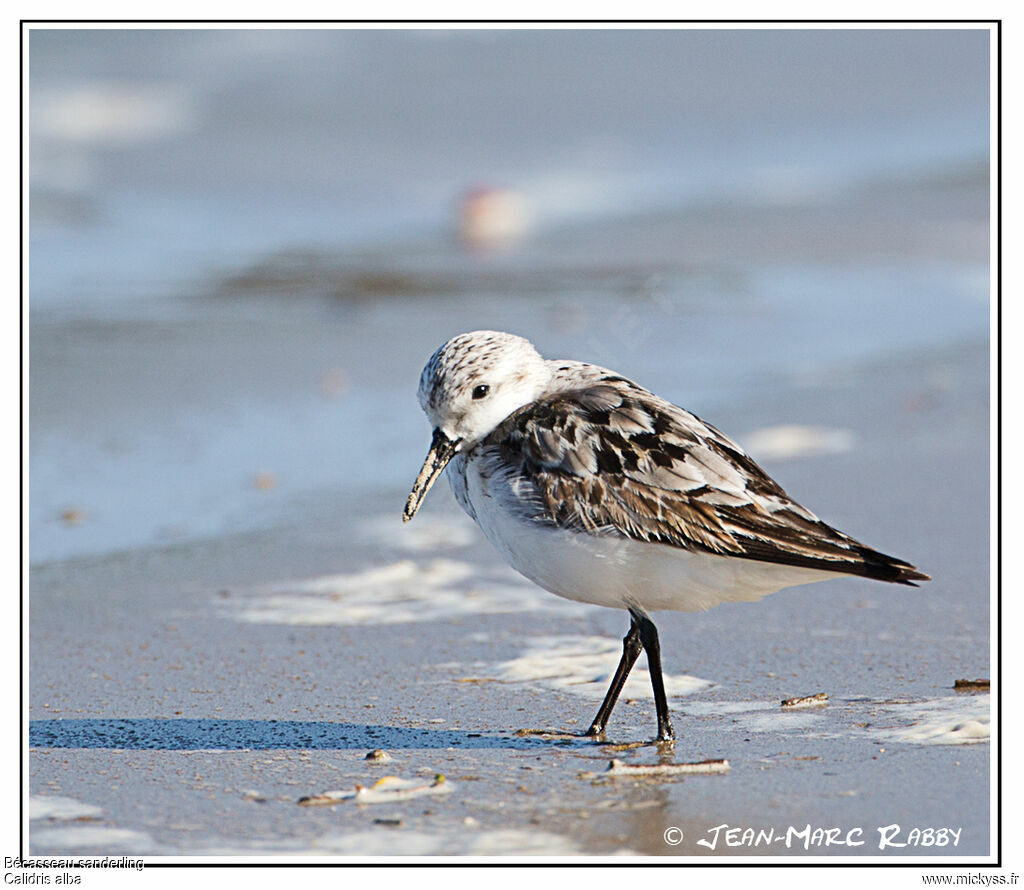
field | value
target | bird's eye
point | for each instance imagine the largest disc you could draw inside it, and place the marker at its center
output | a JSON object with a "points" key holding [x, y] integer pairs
{"points": [[480, 391]]}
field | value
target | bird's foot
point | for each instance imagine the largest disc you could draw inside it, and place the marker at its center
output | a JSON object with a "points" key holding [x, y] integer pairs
{"points": [[666, 737], [596, 732], [666, 734]]}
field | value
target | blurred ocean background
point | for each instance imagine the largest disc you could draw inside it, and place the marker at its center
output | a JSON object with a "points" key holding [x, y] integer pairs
{"points": [[245, 243]]}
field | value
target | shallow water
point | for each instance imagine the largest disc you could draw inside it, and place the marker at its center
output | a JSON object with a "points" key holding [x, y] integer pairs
{"points": [[147, 430], [233, 286], [161, 156]]}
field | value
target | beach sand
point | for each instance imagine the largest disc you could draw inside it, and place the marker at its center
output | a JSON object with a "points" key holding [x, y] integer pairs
{"points": [[191, 694], [244, 246]]}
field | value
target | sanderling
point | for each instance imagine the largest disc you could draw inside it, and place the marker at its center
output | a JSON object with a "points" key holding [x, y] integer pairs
{"points": [[601, 492]]}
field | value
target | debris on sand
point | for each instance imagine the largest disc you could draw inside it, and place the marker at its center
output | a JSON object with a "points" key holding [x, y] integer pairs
{"points": [[807, 701], [617, 769], [548, 734], [378, 755], [969, 685], [264, 480], [390, 789], [625, 746], [72, 516]]}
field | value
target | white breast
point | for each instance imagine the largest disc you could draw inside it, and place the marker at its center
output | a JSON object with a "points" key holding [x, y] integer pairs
{"points": [[610, 569]]}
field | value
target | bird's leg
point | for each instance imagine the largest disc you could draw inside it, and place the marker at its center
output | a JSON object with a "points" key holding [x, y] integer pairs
{"points": [[649, 640], [631, 647]]}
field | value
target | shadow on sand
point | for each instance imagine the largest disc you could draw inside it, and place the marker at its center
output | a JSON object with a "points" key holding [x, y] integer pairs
{"points": [[241, 735]]}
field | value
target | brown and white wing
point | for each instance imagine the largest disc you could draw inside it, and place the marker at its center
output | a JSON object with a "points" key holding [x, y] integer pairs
{"points": [[612, 458]]}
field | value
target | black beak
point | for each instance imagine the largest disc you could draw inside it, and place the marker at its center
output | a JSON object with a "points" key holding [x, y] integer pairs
{"points": [[442, 450]]}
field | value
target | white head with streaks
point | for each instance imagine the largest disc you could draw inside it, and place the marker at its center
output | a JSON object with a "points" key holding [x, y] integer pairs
{"points": [[469, 386], [475, 380]]}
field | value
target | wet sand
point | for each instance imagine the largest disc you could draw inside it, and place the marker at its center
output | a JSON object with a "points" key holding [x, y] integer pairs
{"points": [[190, 694]]}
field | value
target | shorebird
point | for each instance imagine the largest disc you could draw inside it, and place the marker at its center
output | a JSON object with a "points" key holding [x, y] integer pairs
{"points": [[601, 492]]}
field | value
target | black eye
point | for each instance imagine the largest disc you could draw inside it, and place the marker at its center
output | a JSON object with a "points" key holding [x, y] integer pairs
{"points": [[480, 391]]}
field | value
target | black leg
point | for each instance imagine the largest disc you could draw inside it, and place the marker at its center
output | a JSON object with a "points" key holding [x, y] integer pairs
{"points": [[631, 647], [649, 640]]}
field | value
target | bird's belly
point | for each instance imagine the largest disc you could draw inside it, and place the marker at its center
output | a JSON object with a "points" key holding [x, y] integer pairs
{"points": [[620, 572]]}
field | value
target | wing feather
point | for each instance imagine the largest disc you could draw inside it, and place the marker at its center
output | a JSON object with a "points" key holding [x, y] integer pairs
{"points": [[612, 458]]}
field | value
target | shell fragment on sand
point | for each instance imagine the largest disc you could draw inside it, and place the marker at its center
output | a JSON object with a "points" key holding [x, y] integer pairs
{"points": [[618, 770], [390, 789], [819, 699]]}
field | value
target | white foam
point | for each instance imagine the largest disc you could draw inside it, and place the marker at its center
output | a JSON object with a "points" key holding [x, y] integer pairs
{"points": [[92, 839], [955, 720], [781, 720], [111, 113], [760, 716], [943, 721], [464, 843], [41, 806], [728, 707], [402, 592], [792, 440], [584, 666], [398, 841]]}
